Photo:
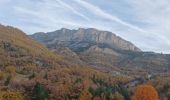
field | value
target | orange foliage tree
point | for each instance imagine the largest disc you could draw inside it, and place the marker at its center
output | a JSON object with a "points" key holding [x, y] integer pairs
{"points": [[145, 92], [85, 95], [96, 98]]}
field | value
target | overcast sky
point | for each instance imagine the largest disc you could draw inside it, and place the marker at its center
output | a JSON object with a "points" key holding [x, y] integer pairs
{"points": [[146, 23]]}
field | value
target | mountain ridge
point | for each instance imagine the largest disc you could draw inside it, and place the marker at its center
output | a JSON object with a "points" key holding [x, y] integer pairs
{"points": [[89, 37]]}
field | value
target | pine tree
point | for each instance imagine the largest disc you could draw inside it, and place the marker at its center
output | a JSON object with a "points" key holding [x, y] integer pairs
{"points": [[46, 76], [39, 93], [32, 76], [7, 81], [124, 92]]}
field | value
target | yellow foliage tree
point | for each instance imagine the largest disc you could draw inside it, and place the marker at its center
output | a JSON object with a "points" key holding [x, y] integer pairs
{"points": [[145, 92], [116, 96], [8, 95], [11, 70]]}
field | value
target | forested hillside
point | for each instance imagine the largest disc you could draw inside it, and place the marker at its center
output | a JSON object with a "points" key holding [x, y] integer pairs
{"points": [[30, 71]]}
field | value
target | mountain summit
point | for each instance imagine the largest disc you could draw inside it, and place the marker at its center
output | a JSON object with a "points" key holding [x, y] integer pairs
{"points": [[81, 39]]}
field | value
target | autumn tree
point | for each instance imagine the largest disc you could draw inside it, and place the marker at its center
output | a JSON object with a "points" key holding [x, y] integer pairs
{"points": [[2, 75], [96, 98], [11, 70], [85, 95], [9, 95], [116, 96], [145, 92]]}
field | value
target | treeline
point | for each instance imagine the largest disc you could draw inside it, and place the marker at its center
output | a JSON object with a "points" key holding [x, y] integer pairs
{"points": [[76, 83]]}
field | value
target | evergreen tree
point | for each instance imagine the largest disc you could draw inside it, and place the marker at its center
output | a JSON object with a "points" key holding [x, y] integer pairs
{"points": [[7, 81], [39, 93], [46, 76], [124, 92], [32, 76]]}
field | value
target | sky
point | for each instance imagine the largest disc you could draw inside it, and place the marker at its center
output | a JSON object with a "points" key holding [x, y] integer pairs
{"points": [[146, 23]]}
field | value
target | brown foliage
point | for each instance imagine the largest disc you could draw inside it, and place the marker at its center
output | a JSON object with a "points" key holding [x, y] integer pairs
{"points": [[96, 98]]}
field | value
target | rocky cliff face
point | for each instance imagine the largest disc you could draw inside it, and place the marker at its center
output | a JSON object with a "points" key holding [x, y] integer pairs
{"points": [[81, 39]]}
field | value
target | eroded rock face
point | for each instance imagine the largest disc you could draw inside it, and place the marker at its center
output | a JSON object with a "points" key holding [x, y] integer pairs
{"points": [[95, 48], [68, 55], [81, 39]]}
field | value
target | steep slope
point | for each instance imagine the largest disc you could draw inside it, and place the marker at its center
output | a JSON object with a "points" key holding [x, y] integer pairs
{"points": [[68, 55], [149, 61], [17, 49]]}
